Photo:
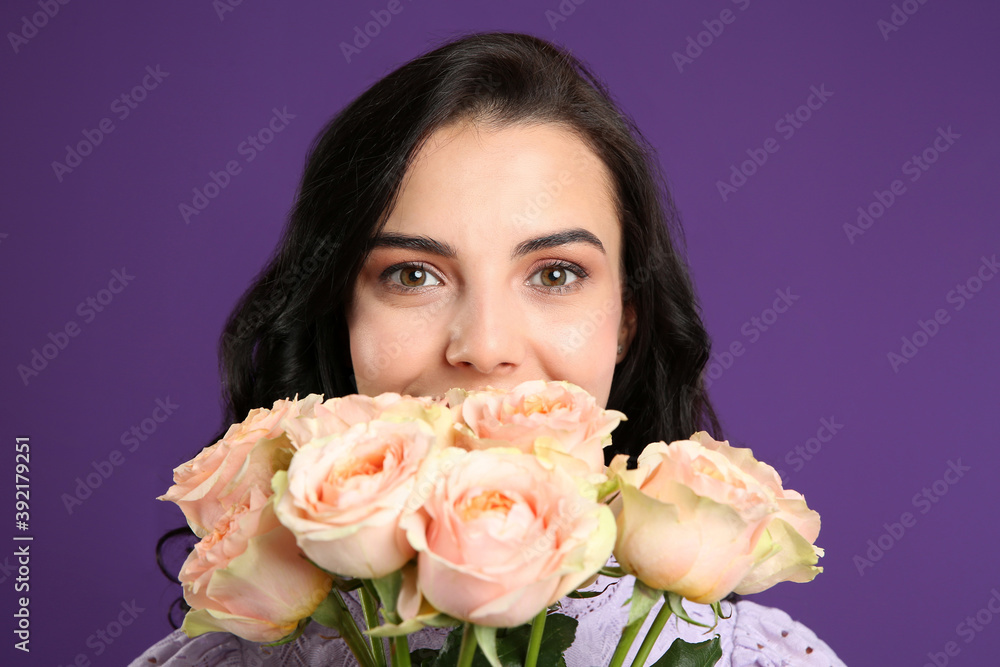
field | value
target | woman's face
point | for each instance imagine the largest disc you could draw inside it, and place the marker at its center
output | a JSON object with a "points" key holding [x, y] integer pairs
{"points": [[500, 263]]}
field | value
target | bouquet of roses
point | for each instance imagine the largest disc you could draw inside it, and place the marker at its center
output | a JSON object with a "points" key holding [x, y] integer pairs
{"points": [[475, 509]]}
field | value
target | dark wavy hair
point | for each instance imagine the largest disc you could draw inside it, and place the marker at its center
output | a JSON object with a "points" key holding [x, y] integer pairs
{"points": [[288, 334]]}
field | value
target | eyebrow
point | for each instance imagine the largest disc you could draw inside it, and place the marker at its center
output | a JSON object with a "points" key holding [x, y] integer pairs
{"points": [[426, 244]]}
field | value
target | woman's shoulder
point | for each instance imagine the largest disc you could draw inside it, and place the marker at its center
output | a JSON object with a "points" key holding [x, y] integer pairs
{"points": [[214, 648], [317, 645], [751, 634], [768, 636]]}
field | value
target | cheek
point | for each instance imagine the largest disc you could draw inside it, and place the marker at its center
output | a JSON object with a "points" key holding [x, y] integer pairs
{"points": [[387, 347], [584, 349], [372, 351]]}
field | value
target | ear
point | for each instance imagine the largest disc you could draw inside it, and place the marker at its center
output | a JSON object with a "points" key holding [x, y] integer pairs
{"points": [[626, 332]]}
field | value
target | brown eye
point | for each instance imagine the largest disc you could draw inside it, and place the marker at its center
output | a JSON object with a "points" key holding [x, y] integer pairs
{"points": [[559, 276], [412, 277], [553, 276]]}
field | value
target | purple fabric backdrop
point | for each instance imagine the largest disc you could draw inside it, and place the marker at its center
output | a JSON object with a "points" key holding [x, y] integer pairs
{"points": [[774, 121]]}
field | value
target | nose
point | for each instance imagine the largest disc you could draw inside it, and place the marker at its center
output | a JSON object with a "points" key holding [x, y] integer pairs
{"points": [[487, 333]]}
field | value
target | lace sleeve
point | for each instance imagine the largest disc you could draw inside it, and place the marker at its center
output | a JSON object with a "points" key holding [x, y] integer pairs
{"points": [[602, 618], [318, 646], [768, 637], [753, 635]]}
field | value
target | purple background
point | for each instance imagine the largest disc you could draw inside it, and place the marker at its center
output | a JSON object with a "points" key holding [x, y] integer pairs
{"points": [[824, 358]]}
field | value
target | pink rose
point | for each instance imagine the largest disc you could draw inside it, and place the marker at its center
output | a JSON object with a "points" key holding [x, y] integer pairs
{"points": [[248, 577], [336, 415], [703, 520], [343, 494], [502, 535], [557, 420], [246, 457], [791, 532]]}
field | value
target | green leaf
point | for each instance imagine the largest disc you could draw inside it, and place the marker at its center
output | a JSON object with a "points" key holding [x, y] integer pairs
{"points": [[342, 583], [674, 600], [333, 613], [293, 635], [388, 588], [643, 599], [683, 654], [612, 571], [448, 655], [327, 613], [486, 637], [717, 608], [423, 657], [583, 595], [512, 645]]}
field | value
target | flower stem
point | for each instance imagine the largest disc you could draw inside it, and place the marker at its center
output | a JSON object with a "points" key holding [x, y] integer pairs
{"points": [[654, 632], [468, 648], [400, 652], [369, 605], [348, 630], [535, 642], [625, 641]]}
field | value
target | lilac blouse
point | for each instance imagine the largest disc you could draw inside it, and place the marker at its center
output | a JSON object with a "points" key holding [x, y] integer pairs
{"points": [[752, 636]]}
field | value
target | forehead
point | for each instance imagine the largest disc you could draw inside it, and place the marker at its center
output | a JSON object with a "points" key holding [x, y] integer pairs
{"points": [[513, 181]]}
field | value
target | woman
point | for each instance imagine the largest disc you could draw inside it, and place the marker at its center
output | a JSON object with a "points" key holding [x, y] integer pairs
{"points": [[485, 216]]}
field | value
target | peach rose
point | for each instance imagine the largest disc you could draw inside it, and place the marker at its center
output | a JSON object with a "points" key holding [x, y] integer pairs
{"points": [[702, 519], [502, 534], [336, 415], [343, 494], [787, 552], [557, 420], [248, 577], [246, 457]]}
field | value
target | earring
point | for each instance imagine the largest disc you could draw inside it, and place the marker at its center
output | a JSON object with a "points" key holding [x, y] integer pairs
{"points": [[619, 349]]}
